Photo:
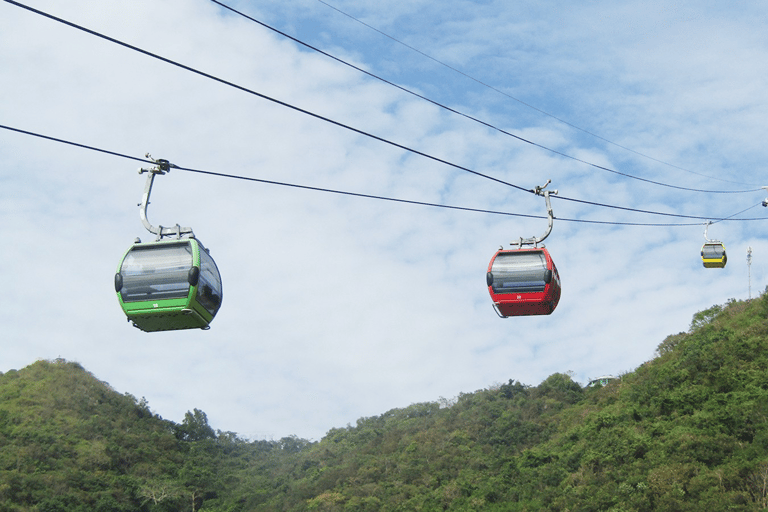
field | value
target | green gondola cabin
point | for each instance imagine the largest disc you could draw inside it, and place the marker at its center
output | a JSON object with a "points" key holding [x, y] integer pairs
{"points": [[169, 285]]}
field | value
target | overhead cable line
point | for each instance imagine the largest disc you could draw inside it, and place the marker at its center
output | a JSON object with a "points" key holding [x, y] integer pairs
{"points": [[76, 144], [421, 203], [529, 105], [323, 118], [738, 213], [355, 194], [467, 116], [264, 96]]}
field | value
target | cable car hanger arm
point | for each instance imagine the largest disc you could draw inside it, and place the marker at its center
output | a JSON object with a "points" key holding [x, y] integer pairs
{"points": [[163, 166], [539, 191], [706, 230]]}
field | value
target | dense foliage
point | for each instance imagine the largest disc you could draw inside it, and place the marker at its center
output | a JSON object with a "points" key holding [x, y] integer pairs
{"points": [[688, 430]]}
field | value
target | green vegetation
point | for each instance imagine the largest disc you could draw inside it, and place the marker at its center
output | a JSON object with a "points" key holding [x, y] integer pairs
{"points": [[685, 431]]}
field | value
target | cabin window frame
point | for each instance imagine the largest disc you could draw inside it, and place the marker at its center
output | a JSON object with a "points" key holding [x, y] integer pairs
{"points": [[156, 272]]}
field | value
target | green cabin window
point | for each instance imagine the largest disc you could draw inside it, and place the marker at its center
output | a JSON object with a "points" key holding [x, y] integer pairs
{"points": [[209, 285], [156, 272]]}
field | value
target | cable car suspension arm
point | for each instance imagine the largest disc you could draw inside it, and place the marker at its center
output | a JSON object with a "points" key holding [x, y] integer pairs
{"points": [[706, 237], [162, 167], [539, 191]]}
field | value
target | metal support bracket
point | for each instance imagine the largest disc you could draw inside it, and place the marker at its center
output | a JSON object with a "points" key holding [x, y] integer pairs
{"points": [[706, 229], [539, 191], [162, 167]]}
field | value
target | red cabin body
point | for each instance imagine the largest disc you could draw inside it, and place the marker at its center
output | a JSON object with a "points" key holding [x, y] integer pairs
{"points": [[523, 282]]}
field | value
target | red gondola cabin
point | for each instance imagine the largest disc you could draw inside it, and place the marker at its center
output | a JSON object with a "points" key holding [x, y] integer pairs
{"points": [[523, 282]]}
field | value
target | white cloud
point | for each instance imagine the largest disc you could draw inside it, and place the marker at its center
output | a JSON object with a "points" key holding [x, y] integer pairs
{"points": [[338, 307]]}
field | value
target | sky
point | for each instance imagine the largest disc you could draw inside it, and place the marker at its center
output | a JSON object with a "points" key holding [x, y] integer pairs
{"points": [[337, 307]]}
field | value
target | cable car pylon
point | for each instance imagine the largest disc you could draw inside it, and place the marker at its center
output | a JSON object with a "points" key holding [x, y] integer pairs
{"points": [[749, 269], [525, 281], [171, 284]]}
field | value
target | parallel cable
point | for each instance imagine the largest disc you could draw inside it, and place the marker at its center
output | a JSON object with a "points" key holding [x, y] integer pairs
{"points": [[318, 116], [529, 105], [263, 96], [259, 180], [467, 116], [625, 208], [422, 203], [738, 213], [70, 143], [367, 196]]}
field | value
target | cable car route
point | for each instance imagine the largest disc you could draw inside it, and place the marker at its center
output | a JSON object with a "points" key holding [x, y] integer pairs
{"points": [[264, 96], [488, 125], [496, 90], [174, 284], [348, 127], [407, 201], [154, 295]]}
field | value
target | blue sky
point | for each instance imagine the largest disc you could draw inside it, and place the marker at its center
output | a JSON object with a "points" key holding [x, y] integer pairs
{"points": [[336, 307]]}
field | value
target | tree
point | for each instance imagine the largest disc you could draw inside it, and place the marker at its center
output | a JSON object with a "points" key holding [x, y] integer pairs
{"points": [[703, 318], [194, 427]]}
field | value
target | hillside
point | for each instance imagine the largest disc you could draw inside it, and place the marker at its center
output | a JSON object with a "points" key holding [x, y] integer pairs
{"points": [[685, 431]]}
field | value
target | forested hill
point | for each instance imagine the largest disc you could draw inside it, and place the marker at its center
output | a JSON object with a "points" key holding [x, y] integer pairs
{"points": [[685, 431]]}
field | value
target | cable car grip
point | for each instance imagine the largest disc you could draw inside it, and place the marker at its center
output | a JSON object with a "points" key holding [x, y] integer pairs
{"points": [[539, 191], [162, 167], [706, 229]]}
